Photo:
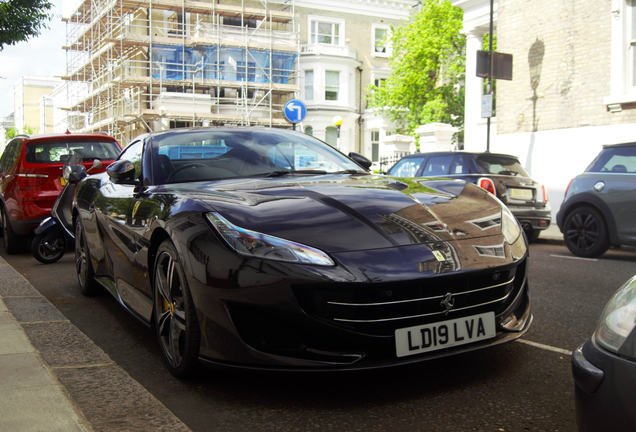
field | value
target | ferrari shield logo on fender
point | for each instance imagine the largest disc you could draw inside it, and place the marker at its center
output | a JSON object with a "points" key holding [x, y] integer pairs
{"points": [[135, 209], [439, 256]]}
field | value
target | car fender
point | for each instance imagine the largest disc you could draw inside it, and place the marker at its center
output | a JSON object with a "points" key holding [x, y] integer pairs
{"points": [[588, 199]]}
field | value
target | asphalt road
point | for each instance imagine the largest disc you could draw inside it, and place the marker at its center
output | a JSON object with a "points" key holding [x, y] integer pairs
{"points": [[514, 387]]}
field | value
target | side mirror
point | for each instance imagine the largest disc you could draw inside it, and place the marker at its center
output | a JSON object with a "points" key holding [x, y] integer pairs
{"points": [[361, 160], [122, 172], [97, 164]]}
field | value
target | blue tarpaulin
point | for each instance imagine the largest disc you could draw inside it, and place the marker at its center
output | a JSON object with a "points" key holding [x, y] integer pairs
{"points": [[172, 63]]}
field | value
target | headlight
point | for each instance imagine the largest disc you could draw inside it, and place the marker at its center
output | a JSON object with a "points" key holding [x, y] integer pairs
{"points": [[509, 225], [66, 173], [258, 245], [618, 320]]}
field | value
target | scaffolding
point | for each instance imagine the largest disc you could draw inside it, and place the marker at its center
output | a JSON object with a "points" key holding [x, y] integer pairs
{"points": [[136, 66]]}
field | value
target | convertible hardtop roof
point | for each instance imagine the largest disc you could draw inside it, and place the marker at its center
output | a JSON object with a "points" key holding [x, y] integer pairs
{"points": [[630, 144], [476, 154]]}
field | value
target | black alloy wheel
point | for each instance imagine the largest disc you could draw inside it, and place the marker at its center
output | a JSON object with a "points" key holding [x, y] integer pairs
{"points": [[83, 266], [586, 232], [174, 313], [11, 243], [49, 247]]}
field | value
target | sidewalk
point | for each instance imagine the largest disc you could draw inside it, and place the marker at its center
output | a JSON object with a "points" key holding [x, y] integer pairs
{"points": [[553, 234], [54, 378]]}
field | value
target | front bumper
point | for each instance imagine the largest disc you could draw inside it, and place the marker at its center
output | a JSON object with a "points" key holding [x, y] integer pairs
{"points": [[605, 389], [274, 316]]}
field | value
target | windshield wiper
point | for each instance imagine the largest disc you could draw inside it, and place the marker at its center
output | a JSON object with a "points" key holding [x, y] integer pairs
{"points": [[512, 173], [292, 172], [350, 171]]}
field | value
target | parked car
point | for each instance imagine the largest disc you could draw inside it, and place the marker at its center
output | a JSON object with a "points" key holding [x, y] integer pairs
{"points": [[604, 368], [31, 176], [500, 174], [599, 205], [268, 249]]}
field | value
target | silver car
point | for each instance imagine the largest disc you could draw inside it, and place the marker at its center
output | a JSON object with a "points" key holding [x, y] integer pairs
{"points": [[599, 205]]}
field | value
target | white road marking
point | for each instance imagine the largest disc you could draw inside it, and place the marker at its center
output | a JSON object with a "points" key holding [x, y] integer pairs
{"points": [[573, 257], [545, 347]]}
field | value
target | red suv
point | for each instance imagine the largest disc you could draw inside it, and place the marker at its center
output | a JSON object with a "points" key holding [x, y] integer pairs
{"points": [[31, 176]]}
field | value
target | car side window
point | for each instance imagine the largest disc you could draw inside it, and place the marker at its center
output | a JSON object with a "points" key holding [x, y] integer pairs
{"points": [[616, 160], [133, 153], [9, 156], [437, 166], [461, 165], [407, 167]]}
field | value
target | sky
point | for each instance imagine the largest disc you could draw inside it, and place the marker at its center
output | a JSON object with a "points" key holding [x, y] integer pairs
{"points": [[39, 56]]}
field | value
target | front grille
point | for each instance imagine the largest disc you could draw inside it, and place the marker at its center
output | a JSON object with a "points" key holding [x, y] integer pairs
{"points": [[381, 308]]}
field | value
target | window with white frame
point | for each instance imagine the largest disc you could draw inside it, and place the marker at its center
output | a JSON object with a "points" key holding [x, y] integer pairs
{"points": [[309, 85], [631, 6], [381, 45], [375, 146], [332, 85], [623, 55], [326, 31]]}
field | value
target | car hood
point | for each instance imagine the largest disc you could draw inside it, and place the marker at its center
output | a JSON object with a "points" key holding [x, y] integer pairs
{"points": [[339, 213]]}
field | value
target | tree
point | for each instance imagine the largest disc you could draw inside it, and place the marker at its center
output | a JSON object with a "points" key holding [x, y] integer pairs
{"points": [[12, 132], [21, 20], [427, 68]]}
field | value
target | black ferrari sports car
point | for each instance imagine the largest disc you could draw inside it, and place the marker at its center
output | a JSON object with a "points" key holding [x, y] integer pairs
{"points": [[268, 249]]}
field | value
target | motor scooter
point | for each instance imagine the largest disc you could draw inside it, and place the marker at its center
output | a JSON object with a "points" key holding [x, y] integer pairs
{"points": [[53, 234]]}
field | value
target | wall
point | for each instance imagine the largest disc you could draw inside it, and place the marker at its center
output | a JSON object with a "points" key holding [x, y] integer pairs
{"points": [[558, 52]]}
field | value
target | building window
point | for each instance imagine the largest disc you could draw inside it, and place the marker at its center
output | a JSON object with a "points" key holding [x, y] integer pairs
{"points": [[332, 84], [381, 45], [309, 85], [175, 24], [623, 56], [240, 22], [309, 130], [379, 82], [331, 136], [375, 146], [632, 44], [325, 30]]}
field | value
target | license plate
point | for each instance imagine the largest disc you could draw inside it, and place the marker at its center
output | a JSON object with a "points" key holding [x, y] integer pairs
{"points": [[445, 334], [521, 193]]}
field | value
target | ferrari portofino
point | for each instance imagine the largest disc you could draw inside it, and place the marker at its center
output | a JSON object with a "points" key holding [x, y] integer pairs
{"points": [[269, 249]]}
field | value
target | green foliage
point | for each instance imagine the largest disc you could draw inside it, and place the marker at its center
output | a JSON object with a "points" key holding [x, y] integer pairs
{"points": [[11, 133], [21, 20], [427, 68]]}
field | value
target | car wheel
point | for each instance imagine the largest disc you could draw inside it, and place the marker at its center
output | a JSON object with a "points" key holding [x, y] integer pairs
{"points": [[585, 232], [48, 247], [175, 317], [11, 242], [533, 235], [83, 266]]}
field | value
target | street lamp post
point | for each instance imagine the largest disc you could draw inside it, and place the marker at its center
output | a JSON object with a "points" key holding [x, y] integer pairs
{"points": [[337, 120]]}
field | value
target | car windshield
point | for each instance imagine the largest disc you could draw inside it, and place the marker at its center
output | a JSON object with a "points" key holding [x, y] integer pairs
{"points": [[502, 165], [224, 154], [406, 167], [60, 152]]}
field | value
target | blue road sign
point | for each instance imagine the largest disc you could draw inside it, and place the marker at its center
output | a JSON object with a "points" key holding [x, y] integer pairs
{"points": [[295, 111]]}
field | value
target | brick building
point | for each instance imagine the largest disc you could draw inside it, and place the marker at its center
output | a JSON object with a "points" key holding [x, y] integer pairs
{"points": [[573, 87]]}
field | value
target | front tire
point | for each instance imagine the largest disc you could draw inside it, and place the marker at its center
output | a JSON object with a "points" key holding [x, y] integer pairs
{"points": [[49, 247], [11, 239], [585, 232], [175, 318], [83, 265]]}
